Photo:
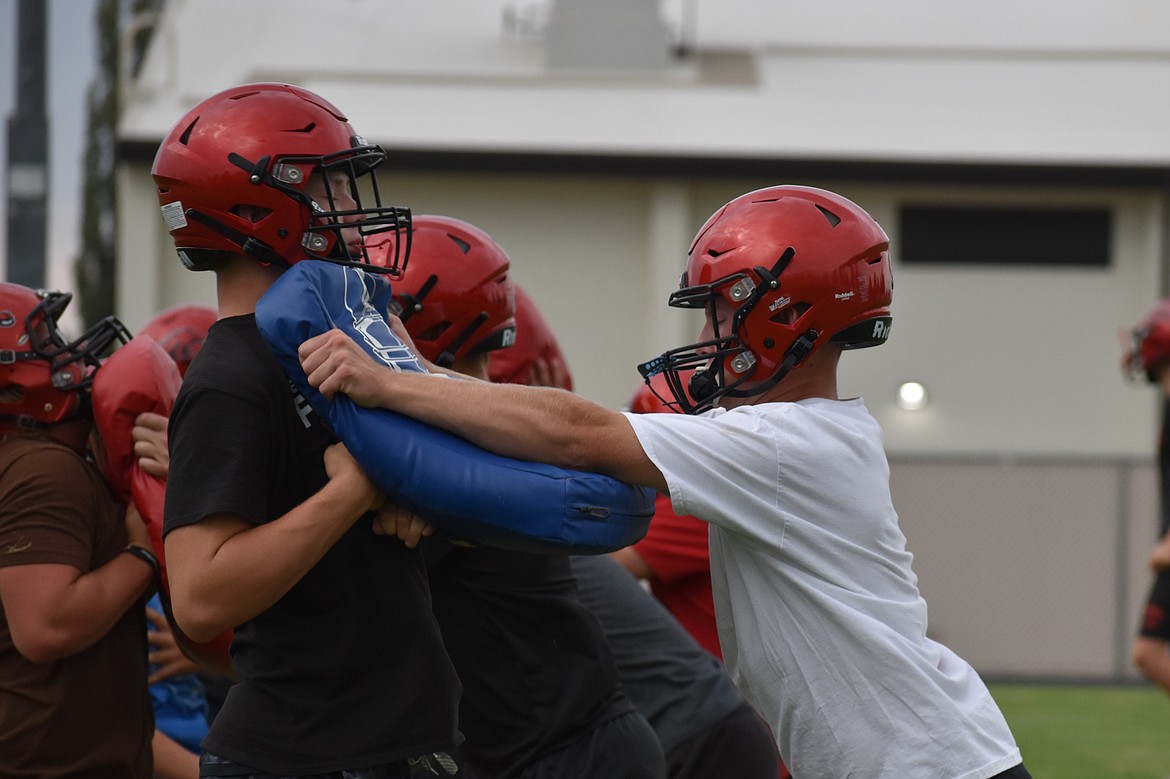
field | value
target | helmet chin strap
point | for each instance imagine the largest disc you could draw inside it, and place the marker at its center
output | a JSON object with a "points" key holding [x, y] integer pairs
{"points": [[23, 422], [704, 385]]}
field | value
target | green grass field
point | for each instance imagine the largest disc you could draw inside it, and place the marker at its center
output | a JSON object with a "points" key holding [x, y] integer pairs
{"points": [[1089, 732]]}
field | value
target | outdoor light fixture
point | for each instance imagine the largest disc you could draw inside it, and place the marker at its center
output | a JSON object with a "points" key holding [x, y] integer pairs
{"points": [[912, 396]]}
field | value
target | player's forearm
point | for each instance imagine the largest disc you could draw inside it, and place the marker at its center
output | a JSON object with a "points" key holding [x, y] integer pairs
{"points": [[1151, 658], [223, 571], [633, 562], [87, 608], [1159, 674], [1160, 556], [171, 759], [530, 423]]}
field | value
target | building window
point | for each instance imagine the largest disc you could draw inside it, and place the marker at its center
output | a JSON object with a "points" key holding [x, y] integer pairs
{"points": [[973, 235]]}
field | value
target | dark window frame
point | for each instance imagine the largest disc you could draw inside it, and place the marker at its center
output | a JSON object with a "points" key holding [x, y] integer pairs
{"points": [[1005, 235]]}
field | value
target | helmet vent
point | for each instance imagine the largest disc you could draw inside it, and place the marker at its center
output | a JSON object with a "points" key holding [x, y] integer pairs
{"points": [[832, 218], [463, 245], [186, 136]]}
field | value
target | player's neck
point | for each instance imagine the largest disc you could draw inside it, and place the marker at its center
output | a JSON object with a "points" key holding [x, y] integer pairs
{"points": [[240, 283], [815, 378]]}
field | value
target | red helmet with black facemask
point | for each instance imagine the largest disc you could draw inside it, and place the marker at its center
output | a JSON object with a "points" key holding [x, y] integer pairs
{"points": [[456, 299], [45, 377], [798, 267], [234, 176]]}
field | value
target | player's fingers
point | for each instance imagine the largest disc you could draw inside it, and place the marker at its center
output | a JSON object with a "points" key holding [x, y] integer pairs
{"points": [[402, 520], [157, 618], [151, 421], [559, 376], [386, 520]]}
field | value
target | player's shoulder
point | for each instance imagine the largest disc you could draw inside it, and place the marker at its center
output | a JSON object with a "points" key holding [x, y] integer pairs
{"points": [[34, 457], [233, 358], [35, 445]]}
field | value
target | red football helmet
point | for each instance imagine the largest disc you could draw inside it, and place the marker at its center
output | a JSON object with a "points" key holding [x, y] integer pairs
{"points": [[1150, 343], [44, 378], [534, 341], [800, 267], [181, 331], [456, 299], [232, 177]]}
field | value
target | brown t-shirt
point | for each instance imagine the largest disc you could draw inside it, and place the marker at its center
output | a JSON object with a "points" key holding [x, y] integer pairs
{"points": [[88, 714]]}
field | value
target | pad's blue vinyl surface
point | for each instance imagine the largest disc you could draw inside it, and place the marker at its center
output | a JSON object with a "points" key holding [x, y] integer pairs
{"points": [[471, 494]]}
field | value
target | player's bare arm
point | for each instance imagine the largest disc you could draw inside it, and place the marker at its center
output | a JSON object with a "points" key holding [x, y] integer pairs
{"points": [[532, 423], [1160, 556], [223, 570], [56, 610], [633, 562]]}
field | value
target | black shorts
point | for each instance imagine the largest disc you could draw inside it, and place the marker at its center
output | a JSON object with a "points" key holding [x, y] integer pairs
{"points": [[624, 747], [742, 740], [214, 766], [1156, 617]]}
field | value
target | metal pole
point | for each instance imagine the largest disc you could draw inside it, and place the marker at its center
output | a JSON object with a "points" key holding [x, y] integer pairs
{"points": [[28, 152]]}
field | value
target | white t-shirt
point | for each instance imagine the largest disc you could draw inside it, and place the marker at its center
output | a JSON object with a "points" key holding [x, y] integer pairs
{"points": [[820, 619]]}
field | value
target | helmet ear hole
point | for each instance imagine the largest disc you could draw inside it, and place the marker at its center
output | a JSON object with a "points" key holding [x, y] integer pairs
{"points": [[432, 333], [790, 314], [251, 213]]}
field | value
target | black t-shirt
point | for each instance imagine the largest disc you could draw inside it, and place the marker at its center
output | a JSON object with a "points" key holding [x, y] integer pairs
{"points": [[536, 670], [348, 668]]}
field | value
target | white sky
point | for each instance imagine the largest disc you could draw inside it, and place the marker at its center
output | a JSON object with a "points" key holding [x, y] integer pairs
{"points": [[71, 63]]}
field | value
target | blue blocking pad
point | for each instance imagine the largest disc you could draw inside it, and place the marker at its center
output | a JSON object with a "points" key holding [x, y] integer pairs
{"points": [[470, 494]]}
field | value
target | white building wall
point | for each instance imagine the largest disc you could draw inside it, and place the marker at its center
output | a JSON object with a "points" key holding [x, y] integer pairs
{"points": [[1016, 361]]}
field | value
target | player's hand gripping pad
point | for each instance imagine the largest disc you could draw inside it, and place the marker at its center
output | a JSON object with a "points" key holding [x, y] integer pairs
{"points": [[467, 492], [137, 378]]}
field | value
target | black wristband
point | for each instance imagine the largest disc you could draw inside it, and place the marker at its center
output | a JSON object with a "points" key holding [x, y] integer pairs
{"points": [[145, 555]]}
